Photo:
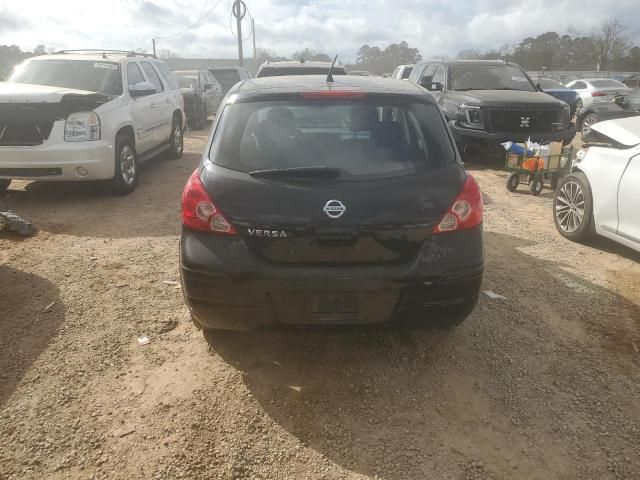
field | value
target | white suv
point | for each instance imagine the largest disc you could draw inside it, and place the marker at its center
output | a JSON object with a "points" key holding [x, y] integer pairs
{"points": [[88, 115]]}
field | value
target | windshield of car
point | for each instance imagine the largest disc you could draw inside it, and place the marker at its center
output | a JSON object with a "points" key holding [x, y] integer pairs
{"points": [[282, 71], [607, 84], [550, 84], [187, 81], [92, 76], [371, 138], [488, 77]]}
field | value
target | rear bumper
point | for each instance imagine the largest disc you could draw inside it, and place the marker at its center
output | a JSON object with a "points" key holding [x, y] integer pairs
{"points": [[53, 161], [462, 134], [226, 286]]}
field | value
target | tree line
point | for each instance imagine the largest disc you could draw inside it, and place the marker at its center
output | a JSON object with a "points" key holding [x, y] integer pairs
{"points": [[610, 47]]}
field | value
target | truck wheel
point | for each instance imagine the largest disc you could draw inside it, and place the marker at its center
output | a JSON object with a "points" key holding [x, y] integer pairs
{"points": [[176, 141], [4, 185], [573, 208], [513, 181], [126, 172], [536, 186]]}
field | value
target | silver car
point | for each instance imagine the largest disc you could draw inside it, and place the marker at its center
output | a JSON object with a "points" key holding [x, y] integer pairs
{"points": [[594, 90], [402, 72]]}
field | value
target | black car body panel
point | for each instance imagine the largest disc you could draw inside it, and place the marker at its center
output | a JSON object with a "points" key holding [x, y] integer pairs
{"points": [[516, 111], [622, 108], [291, 262]]}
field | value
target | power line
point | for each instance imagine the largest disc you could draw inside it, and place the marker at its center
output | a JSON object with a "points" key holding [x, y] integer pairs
{"points": [[194, 25]]}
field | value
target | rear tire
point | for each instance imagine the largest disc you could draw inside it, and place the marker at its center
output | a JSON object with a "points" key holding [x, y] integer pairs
{"points": [[513, 180], [573, 208], [176, 141], [126, 171], [536, 186], [4, 185]]}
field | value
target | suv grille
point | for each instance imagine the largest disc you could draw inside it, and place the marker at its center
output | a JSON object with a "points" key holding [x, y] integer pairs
{"points": [[521, 119], [28, 133]]}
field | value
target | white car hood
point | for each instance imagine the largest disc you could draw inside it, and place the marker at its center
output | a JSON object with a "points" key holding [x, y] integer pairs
{"points": [[27, 93], [625, 131]]}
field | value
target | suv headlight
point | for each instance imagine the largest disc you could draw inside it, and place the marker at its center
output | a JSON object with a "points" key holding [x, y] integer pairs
{"points": [[470, 116], [82, 127]]}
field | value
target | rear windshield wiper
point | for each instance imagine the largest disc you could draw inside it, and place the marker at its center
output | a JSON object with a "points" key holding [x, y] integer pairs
{"points": [[322, 173]]}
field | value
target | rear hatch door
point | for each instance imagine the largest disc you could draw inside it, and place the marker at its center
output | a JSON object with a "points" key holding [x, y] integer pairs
{"points": [[333, 177]]}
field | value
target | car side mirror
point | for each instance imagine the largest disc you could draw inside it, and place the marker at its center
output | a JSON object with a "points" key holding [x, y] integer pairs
{"points": [[208, 86], [142, 89]]}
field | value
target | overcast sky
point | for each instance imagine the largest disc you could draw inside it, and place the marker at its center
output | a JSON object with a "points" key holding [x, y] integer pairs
{"points": [[436, 27]]}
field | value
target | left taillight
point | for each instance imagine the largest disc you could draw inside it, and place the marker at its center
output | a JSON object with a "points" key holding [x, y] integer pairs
{"points": [[200, 213], [465, 212]]}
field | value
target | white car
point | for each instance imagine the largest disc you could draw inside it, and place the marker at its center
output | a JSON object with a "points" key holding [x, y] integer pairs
{"points": [[88, 115], [402, 72], [594, 90], [602, 193]]}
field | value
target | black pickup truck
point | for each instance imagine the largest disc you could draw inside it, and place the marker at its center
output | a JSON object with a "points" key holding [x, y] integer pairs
{"points": [[489, 102]]}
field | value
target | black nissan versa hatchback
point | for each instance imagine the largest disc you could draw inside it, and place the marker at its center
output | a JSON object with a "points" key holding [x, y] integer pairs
{"points": [[330, 203]]}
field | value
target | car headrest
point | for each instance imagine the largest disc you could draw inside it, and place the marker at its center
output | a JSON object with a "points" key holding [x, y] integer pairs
{"points": [[281, 116], [364, 118]]}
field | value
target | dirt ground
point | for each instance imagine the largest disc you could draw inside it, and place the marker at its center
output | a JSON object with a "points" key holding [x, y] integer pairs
{"points": [[544, 384]]}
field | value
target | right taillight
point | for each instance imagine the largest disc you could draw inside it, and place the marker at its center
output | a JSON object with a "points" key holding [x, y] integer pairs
{"points": [[465, 211], [598, 94], [199, 212]]}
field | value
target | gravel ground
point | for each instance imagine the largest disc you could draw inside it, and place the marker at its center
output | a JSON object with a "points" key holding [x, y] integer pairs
{"points": [[543, 384]]}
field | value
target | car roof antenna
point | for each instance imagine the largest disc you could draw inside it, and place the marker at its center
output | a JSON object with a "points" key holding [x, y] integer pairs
{"points": [[330, 74]]}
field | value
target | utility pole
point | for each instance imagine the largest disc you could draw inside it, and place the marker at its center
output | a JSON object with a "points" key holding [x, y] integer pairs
{"points": [[154, 46], [255, 52], [239, 13]]}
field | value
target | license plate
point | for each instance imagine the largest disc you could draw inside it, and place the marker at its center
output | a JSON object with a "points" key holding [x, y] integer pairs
{"points": [[335, 303]]}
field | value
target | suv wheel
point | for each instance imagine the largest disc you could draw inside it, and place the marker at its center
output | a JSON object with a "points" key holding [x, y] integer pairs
{"points": [[4, 185], [573, 208], [126, 176], [176, 142]]}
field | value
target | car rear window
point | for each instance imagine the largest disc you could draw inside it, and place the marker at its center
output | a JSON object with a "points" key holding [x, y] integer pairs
{"points": [[407, 71], [607, 84], [366, 138]]}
